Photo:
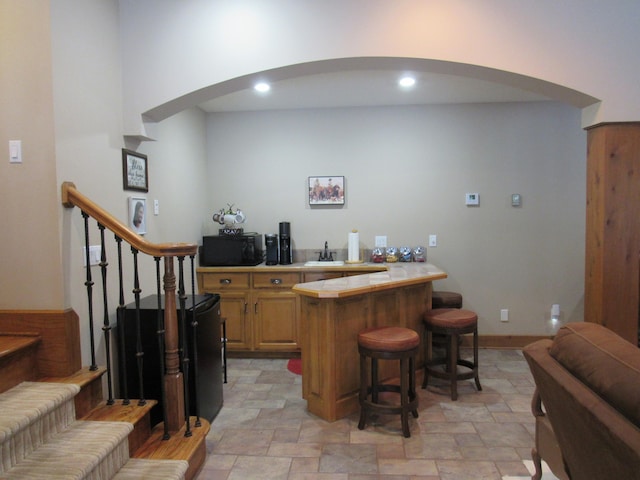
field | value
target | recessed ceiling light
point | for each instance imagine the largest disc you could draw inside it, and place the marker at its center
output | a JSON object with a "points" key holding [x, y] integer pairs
{"points": [[262, 87], [407, 82]]}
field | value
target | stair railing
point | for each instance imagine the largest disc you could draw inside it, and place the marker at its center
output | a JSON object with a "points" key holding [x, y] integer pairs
{"points": [[170, 328]]}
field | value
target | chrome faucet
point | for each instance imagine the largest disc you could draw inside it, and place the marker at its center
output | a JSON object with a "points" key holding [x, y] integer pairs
{"points": [[326, 256]]}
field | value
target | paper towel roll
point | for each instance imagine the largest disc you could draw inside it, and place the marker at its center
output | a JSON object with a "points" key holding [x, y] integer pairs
{"points": [[354, 247]]}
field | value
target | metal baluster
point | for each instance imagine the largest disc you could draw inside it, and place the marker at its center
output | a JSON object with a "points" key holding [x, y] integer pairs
{"points": [[139, 352], [106, 326], [120, 312], [89, 284], [160, 333], [184, 344], [194, 343]]}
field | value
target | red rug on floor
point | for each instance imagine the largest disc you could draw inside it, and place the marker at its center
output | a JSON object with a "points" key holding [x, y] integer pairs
{"points": [[295, 366]]}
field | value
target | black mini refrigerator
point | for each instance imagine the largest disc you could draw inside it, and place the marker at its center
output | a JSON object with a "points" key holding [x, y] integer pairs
{"points": [[207, 308]]}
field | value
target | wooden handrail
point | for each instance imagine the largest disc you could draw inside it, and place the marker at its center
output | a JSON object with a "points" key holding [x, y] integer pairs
{"points": [[71, 197]]}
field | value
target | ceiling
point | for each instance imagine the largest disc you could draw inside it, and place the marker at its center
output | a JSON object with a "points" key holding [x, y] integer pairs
{"points": [[367, 88]]}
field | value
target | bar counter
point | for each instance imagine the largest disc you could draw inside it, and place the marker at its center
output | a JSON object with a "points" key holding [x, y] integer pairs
{"points": [[333, 311]]}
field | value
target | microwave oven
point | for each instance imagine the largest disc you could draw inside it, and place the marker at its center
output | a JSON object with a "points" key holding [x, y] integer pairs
{"points": [[231, 250]]}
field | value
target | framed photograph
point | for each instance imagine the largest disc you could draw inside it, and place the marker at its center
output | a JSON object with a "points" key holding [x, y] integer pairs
{"points": [[135, 171], [326, 190], [138, 214]]}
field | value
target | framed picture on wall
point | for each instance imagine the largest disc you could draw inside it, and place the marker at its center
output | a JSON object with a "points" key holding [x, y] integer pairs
{"points": [[138, 214], [135, 171], [326, 190]]}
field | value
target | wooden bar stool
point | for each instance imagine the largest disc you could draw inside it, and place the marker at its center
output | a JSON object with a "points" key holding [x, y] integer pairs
{"points": [[442, 299], [388, 343], [451, 322]]}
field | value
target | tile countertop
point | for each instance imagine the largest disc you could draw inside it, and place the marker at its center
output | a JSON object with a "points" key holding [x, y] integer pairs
{"points": [[395, 275], [301, 267]]}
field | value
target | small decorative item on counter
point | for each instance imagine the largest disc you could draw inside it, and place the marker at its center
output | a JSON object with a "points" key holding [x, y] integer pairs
{"points": [[377, 255], [405, 254], [419, 254], [392, 255]]}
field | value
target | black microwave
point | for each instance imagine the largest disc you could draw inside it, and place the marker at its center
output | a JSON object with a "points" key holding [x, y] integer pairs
{"points": [[231, 250]]}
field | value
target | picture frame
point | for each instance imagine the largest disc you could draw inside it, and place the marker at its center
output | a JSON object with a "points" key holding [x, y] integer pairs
{"points": [[135, 171], [138, 214], [326, 190]]}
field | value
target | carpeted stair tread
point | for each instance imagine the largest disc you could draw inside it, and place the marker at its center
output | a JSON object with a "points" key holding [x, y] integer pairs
{"points": [[86, 450], [138, 468], [28, 401], [30, 414]]}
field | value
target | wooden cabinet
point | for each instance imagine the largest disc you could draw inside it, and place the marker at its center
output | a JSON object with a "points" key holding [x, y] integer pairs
{"points": [[234, 291], [275, 310], [259, 308]]}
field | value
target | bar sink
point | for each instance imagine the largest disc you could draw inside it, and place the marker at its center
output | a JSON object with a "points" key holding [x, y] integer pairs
{"points": [[331, 263]]}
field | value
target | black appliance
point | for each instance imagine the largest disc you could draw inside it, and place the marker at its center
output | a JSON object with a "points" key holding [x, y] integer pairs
{"points": [[207, 308], [271, 242], [286, 258], [231, 250]]}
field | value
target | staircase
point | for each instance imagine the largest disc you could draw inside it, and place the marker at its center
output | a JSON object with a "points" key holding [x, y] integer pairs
{"points": [[59, 428]]}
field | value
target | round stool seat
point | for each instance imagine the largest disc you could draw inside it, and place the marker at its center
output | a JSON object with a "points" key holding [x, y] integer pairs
{"points": [[452, 323], [442, 299], [388, 343], [447, 318], [388, 339]]}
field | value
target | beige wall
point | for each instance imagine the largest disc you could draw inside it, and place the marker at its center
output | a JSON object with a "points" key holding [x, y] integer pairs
{"points": [[30, 263], [407, 170]]}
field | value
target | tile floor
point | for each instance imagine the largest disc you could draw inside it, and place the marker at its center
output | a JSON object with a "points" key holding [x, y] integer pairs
{"points": [[264, 431]]}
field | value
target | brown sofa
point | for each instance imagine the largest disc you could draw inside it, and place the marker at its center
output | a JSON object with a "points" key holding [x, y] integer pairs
{"points": [[588, 379]]}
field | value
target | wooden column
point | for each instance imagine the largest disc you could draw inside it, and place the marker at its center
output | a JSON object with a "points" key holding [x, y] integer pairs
{"points": [[612, 260], [173, 380]]}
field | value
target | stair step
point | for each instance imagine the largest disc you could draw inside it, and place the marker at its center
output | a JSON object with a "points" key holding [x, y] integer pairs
{"points": [[86, 450], [30, 414], [178, 447], [17, 359], [90, 383], [136, 414], [138, 468]]}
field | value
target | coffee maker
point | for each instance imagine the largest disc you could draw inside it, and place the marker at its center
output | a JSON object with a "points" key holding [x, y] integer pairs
{"points": [[285, 244], [271, 242]]}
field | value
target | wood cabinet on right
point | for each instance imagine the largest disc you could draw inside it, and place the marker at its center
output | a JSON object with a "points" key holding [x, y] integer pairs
{"points": [[612, 246]]}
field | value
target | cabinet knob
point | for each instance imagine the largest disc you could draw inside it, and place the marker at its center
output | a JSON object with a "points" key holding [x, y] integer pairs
{"points": [[276, 281], [225, 281]]}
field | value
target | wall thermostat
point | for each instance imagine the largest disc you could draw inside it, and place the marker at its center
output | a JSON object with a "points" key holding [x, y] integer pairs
{"points": [[472, 199], [515, 199]]}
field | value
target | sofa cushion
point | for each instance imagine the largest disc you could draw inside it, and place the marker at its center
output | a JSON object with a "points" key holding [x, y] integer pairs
{"points": [[605, 362]]}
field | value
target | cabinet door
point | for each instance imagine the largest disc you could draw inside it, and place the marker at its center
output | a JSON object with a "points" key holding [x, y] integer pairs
{"points": [[234, 306], [275, 325]]}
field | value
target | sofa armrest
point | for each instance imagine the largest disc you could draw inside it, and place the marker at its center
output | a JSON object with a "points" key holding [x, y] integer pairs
{"points": [[536, 404]]}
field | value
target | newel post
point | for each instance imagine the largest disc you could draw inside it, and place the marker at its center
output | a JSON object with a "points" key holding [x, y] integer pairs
{"points": [[173, 376]]}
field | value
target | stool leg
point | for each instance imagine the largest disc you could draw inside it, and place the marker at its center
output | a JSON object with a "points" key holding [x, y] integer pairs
{"points": [[453, 365], [404, 397], [363, 392], [475, 359], [374, 380], [412, 384], [428, 338]]}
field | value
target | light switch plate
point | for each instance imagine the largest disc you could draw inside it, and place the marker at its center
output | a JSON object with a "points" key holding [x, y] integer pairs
{"points": [[15, 151], [472, 199]]}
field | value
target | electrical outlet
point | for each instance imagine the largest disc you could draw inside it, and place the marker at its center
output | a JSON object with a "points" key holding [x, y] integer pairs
{"points": [[381, 241], [433, 240], [504, 315], [95, 252]]}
